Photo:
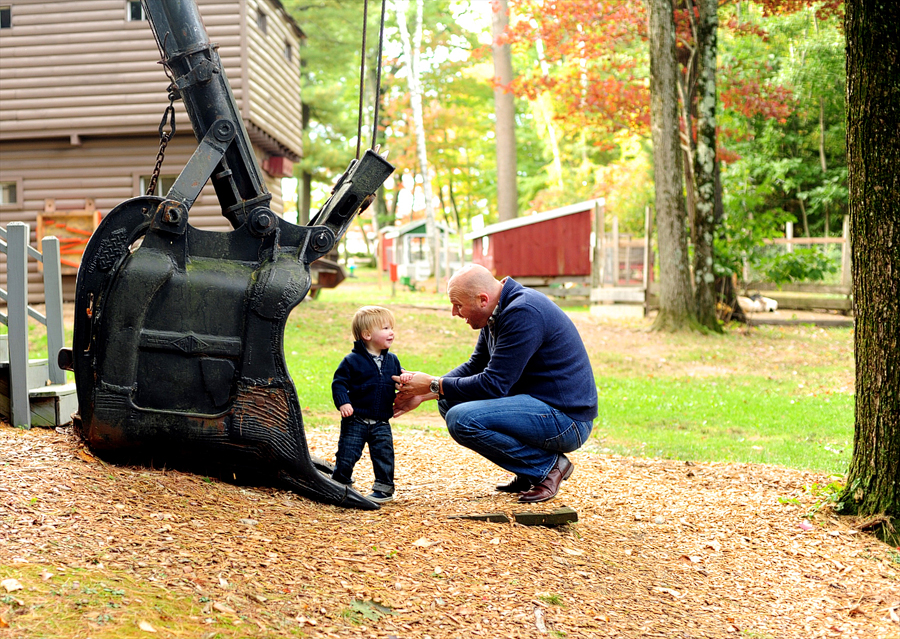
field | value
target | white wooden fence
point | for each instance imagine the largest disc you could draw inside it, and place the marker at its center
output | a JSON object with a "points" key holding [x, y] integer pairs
{"points": [[22, 374]]}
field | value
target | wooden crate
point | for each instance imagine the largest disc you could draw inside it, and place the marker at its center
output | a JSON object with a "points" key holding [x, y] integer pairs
{"points": [[73, 228]]}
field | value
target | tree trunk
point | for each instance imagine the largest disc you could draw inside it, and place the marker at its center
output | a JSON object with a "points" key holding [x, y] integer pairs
{"points": [[705, 168], [873, 150], [675, 298], [304, 186], [505, 111], [411, 52], [544, 104]]}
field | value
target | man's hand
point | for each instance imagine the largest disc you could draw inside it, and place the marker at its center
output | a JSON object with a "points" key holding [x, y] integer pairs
{"points": [[413, 390], [413, 383], [405, 403]]}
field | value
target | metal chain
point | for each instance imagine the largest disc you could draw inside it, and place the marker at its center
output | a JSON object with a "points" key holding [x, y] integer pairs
{"points": [[168, 114]]}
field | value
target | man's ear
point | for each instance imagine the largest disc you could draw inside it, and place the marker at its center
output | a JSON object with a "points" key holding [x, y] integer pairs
{"points": [[483, 299]]}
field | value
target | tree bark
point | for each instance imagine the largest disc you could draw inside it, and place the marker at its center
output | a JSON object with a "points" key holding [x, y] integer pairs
{"points": [[304, 185], [505, 112], [675, 298], [873, 150], [411, 52], [705, 168]]}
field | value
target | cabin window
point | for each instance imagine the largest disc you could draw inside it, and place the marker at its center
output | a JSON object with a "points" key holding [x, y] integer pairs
{"points": [[288, 51], [136, 11], [163, 184], [5, 17], [11, 194], [262, 21]]}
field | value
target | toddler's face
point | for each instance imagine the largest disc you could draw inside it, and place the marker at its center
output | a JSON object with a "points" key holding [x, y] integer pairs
{"points": [[381, 338]]}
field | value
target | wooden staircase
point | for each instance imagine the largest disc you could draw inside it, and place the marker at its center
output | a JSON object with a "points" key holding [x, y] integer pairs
{"points": [[50, 404], [32, 391]]}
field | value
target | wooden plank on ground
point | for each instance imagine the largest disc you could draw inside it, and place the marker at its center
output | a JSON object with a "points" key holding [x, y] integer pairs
{"points": [[618, 294], [801, 302]]}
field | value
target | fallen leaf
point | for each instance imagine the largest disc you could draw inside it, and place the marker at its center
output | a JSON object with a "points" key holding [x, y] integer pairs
{"points": [[423, 542], [11, 585], [46, 574], [693, 559], [573, 551], [224, 609], [805, 525], [146, 627], [668, 591], [4, 623], [715, 545], [86, 456], [539, 621]]}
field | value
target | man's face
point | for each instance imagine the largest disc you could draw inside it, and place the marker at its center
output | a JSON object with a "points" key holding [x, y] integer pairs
{"points": [[471, 308]]}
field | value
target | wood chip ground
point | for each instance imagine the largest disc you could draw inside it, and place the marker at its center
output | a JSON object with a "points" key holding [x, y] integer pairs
{"points": [[661, 548]]}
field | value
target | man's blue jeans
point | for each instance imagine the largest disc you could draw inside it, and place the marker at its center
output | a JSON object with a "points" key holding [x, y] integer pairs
{"points": [[520, 433], [355, 434]]}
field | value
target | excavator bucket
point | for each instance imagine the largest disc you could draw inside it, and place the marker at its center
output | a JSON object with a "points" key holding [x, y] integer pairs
{"points": [[178, 339]]}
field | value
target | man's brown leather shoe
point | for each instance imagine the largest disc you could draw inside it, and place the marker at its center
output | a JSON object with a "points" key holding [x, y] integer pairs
{"points": [[548, 488], [517, 485]]}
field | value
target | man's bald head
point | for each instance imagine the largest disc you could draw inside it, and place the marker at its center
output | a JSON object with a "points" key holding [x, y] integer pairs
{"points": [[474, 294], [473, 279]]}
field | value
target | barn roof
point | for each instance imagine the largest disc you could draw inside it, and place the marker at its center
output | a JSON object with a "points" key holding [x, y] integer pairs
{"points": [[537, 218], [414, 227]]}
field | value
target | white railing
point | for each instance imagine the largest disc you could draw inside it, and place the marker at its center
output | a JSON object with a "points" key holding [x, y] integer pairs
{"points": [[14, 243]]}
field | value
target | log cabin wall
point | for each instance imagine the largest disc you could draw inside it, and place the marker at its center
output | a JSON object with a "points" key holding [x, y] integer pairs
{"points": [[82, 93]]}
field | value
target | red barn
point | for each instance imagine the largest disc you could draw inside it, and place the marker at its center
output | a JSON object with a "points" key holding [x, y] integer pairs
{"points": [[553, 244]]}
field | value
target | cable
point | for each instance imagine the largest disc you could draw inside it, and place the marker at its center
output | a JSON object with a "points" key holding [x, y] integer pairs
{"points": [[378, 76], [362, 77]]}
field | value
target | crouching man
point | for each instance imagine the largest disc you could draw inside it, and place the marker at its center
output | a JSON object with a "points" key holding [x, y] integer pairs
{"points": [[526, 396]]}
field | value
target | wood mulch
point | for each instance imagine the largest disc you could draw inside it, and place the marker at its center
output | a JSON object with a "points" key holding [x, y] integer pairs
{"points": [[661, 549]]}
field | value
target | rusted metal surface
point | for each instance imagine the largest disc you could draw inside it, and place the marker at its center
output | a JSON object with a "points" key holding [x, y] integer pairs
{"points": [[178, 340]]}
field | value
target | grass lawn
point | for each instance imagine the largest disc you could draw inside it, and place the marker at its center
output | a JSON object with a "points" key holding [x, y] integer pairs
{"points": [[774, 395]]}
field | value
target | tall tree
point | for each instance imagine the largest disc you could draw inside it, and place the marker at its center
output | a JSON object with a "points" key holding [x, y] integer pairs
{"points": [[705, 163], [411, 51], [676, 310], [505, 113], [873, 144]]}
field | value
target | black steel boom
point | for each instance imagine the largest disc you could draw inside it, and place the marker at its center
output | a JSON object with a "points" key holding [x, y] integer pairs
{"points": [[178, 341]]}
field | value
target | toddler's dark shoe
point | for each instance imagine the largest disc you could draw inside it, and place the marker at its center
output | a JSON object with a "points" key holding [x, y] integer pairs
{"points": [[379, 497]]}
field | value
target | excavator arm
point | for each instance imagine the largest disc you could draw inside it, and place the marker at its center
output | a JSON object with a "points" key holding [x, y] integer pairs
{"points": [[178, 337]]}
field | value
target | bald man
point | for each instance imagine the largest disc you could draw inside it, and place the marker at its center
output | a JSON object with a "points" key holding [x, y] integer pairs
{"points": [[526, 396]]}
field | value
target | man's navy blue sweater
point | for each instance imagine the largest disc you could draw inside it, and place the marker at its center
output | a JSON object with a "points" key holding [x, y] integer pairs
{"points": [[358, 382], [533, 349]]}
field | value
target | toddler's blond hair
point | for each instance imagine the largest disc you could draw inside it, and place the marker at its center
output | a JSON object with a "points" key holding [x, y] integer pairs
{"points": [[369, 318]]}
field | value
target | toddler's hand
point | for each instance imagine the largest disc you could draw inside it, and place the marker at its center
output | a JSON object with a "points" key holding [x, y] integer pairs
{"points": [[346, 410]]}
